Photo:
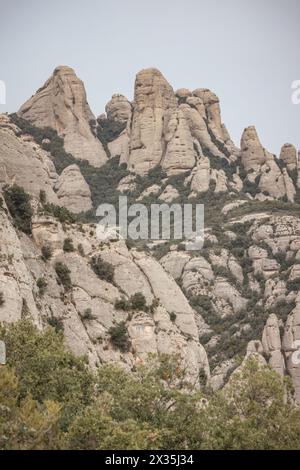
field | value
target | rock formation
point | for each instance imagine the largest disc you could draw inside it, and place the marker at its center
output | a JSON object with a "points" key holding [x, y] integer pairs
{"points": [[288, 155], [237, 296], [73, 192], [61, 104]]}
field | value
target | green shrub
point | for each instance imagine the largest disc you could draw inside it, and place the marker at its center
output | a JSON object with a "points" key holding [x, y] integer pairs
{"points": [[251, 187], [122, 304], [63, 274], [25, 309], [46, 252], [2, 301], [42, 285], [18, 203], [119, 337], [293, 285], [60, 213], [282, 309], [173, 317], [202, 378], [56, 323], [138, 301], [87, 314], [80, 249], [43, 197], [68, 245], [102, 269]]}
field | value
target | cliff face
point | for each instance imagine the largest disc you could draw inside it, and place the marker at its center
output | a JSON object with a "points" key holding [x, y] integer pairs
{"points": [[237, 296]]}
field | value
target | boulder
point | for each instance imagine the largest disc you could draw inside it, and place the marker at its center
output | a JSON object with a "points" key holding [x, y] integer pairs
{"points": [[73, 192]]}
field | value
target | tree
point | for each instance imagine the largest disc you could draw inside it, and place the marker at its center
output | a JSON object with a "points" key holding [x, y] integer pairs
{"points": [[50, 400], [68, 245], [18, 203], [119, 337], [46, 252], [24, 423], [253, 412], [44, 368], [63, 274], [138, 301]]}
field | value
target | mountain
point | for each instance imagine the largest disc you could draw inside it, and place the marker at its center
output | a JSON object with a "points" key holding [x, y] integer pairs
{"points": [[116, 300]]}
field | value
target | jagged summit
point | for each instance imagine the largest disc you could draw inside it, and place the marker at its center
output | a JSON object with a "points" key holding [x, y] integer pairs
{"points": [[181, 131], [62, 105]]}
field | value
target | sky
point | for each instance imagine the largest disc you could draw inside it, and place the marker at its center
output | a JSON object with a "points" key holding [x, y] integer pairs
{"points": [[246, 51]]}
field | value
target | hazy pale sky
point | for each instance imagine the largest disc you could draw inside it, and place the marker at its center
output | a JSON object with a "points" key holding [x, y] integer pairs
{"points": [[246, 51]]}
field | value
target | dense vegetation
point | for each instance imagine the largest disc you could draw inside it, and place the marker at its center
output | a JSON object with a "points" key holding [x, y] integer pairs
{"points": [[50, 400]]}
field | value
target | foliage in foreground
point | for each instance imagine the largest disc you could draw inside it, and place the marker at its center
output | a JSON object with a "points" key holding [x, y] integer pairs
{"points": [[50, 400]]}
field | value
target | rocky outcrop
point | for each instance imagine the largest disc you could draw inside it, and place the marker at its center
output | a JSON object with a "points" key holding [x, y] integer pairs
{"points": [[118, 109], [169, 194], [154, 103], [182, 132], [291, 346], [179, 155], [288, 155], [118, 120], [73, 192], [252, 152], [272, 344], [24, 163], [241, 287], [263, 169], [21, 265], [213, 113], [62, 105], [174, 130]]}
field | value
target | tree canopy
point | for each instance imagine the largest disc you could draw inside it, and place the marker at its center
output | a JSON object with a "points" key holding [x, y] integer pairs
{"points": [[49, 399]]}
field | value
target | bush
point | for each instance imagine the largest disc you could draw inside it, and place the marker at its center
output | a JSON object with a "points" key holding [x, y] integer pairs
{"points": [[68, 245], [56, 323], [80, 249], [202, 378], [43, 197], [119, 337], [173, 317], [122, 304], [18, 203], [88, 315], [63, 274], [60, 213], [46, 252], [293, 285], [138, 301], [42, 285], [102, 269], [107, 131], [25, 309], [2, 301]]}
